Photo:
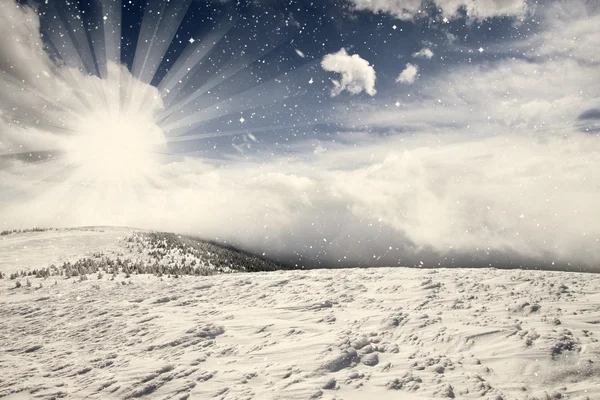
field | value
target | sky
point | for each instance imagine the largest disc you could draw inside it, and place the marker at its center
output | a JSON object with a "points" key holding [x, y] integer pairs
{"points": [[318, 133]]}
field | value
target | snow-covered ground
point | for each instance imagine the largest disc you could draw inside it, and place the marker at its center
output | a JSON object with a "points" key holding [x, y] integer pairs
{"points": [[388, 333], [31, 250]]}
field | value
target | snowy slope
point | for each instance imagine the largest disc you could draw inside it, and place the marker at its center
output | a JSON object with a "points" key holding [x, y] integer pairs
{"points": [[28, 251], [389, 333]]}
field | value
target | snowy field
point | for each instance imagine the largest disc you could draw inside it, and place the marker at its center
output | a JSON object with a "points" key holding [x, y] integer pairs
{"points": [[389, 333]]}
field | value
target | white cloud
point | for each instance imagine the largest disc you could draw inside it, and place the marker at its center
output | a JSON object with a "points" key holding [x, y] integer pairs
{"points": [[409, 74], [21, 52], [429, 197], [403, 9], [411, 9], [25, 69], [495, 98], [569, 30], [357, 74], [424, 53], [510, 95], [41, 101], [450, 37]]}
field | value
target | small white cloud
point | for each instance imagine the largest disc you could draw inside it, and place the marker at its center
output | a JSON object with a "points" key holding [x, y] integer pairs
{"points": [[356, 73], [451, 37], [409, 75], [319, 149], [424, 53]]}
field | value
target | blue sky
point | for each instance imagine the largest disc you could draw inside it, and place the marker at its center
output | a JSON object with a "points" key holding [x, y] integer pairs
{"points": [[364, 132]]}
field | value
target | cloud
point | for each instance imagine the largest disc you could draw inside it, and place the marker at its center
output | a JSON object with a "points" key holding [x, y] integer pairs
{"points": [[357, 74], [508, 95], [494, 98], [414, 9], [443, 199], [409, 74], [423, 53], [589, 121], [569, 30], [21, 52], [593, 114], [27, 87], [45, 104]]}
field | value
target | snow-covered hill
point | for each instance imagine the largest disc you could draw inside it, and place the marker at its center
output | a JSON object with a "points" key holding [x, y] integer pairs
{"points": [[81, 251], [388, 333]]}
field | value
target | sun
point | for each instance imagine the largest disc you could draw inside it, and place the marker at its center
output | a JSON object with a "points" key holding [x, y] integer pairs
{"points": [[115, 148]]}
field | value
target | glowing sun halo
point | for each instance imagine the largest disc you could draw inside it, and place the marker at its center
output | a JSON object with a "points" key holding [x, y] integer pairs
{"points": [[115, 148]]}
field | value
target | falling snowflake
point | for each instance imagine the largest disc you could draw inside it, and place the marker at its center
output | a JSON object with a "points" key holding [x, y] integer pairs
{"points": [[192, 40]]}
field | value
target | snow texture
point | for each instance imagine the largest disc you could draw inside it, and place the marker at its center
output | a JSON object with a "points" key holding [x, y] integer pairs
{"points": [[383, 333]]}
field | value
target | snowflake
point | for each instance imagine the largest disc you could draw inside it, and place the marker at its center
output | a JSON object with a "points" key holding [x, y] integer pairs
{"points": [[192, 40]]}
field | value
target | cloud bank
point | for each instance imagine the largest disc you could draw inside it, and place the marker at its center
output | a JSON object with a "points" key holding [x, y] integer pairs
{"points": [[414, 9], [442, 200]]}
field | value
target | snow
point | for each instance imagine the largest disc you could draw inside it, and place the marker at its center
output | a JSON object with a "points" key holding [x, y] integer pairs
{"points": [[33, 250], [384, 333]]}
